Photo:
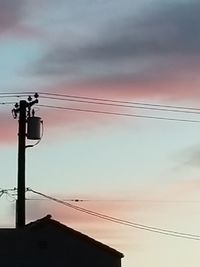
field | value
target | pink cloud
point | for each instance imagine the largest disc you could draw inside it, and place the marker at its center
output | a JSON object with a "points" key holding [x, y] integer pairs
{"points": [[166, 91], [8, 133], [179, 84]]}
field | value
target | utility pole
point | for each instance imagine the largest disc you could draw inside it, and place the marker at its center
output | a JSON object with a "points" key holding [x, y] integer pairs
{"points": [[24, 110], [20, 204]]}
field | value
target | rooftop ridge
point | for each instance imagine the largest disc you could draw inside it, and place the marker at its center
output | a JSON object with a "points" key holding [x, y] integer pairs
{"points": [[48, 219]]}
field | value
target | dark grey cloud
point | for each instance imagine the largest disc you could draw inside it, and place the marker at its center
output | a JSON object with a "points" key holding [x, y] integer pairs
{"points": [[165, 37], [11, 13], [173, 29]]}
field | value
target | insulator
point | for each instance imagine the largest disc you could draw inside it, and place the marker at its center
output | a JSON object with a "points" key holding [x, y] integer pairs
{"points": [[34, 128]]}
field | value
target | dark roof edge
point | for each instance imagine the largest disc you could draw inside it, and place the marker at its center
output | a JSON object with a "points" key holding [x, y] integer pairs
{"points": [[47, 219]]}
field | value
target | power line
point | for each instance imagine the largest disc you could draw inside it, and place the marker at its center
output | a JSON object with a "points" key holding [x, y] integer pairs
{"points": [[83, 99], [109, 218], [7, 103], [43, 94], [119, 114], [135, 106], [120, 221], [13, 190], [16, 93], [118, 101], [13, 95], [6, 192], [65, 96], [65, 200], [122, 200]]}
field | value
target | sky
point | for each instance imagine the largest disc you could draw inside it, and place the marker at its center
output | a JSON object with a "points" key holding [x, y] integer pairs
{"points": [[137, 169]]}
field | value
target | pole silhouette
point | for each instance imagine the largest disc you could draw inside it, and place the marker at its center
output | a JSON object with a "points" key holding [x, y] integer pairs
{"points": [[20, 204], [23, 112]]}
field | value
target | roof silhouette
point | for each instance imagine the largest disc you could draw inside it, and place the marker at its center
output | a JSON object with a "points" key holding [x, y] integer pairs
{"points": [[47, 220]]}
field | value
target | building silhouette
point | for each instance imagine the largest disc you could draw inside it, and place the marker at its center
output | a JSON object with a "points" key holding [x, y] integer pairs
{"points": [[47, 242]]}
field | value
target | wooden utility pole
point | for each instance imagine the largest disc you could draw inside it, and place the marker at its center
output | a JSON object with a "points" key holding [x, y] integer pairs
{"points": [[20, 205], [23, 109]]}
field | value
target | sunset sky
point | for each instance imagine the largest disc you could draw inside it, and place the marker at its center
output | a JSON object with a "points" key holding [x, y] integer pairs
{"points": [[142, 170]]}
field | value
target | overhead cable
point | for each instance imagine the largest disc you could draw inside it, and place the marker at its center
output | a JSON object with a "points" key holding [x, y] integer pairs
{"points": [[117, 101], [136, 106], [7, 103], [119, 113], [120, 221], [55, 95]]}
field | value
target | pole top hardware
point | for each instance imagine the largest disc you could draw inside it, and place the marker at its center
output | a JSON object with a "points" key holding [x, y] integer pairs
{"points": [[28, 104]]}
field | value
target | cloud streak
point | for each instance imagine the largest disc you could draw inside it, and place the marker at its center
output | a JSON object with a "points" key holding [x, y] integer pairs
{"points": [[11, 13], [146, 49], [153, 55]]}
